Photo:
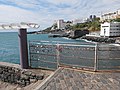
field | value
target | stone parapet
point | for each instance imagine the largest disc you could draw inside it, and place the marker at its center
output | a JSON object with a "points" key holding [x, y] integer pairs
{"points": [[15, 75]]}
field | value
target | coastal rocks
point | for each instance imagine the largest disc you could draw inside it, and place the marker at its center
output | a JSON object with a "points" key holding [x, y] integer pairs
{"points": [[74, 34], [17, 76], [77, 33], [58, 35], [99, 39]]}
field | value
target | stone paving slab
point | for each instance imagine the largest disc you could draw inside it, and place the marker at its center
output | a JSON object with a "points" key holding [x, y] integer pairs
{"points": [[71, 79]]}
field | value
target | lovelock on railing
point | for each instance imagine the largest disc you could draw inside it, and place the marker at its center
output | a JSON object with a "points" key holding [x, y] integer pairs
{"points": [[51, 55]]}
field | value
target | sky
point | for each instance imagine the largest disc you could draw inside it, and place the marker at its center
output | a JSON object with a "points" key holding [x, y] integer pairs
{"points": [[44, 12]]}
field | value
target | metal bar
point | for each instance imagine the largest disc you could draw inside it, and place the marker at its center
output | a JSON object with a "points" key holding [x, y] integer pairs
{"points": [[29, 55], [58, 55], [96, 58], [64, 43], [78, 66], [109, 59], [40, 54], [77, 57], [44, 61], [22, 34]]}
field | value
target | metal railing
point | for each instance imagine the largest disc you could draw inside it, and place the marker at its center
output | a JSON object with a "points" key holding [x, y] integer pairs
{"points": [[51, 55]]}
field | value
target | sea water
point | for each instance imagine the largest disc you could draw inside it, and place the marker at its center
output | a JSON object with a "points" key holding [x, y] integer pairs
{"points": [[9, 49], [9, 44]]}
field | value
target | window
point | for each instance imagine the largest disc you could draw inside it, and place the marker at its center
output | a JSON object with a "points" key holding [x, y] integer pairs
{"points": [[105, 26]]}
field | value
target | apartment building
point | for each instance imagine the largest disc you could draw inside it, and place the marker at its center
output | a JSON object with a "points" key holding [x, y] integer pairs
{"points": [[109, 16], [61, 24], [111, 29]]}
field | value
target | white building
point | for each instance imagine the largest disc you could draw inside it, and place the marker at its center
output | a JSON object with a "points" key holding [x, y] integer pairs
{"points": [[110, 29], [77, 21], [61, 24], [109, 16]]}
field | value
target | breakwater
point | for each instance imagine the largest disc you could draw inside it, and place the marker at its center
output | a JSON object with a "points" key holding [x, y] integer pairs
{"points": [[15, 75]]}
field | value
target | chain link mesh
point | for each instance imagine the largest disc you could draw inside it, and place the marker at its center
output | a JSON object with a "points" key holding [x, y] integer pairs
{"points": [[48, 55]]}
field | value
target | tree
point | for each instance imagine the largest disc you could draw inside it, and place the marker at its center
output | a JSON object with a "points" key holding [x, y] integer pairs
{"points": [[116, 20]]}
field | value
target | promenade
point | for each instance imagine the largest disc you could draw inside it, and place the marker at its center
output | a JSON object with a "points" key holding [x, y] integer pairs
{"points": [[65, 78], [72, 79]]}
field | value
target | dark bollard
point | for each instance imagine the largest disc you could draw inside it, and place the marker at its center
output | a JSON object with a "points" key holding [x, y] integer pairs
{"points": [[23, 48]]}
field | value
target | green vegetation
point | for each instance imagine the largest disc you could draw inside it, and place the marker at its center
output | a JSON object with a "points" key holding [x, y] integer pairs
{"points": [[93, 25], [116, 20]]}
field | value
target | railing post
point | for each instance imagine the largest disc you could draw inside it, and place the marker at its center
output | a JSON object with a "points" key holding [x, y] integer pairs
{"points": [[29, 47], [96, 57], [23, 48], [58, 55]]}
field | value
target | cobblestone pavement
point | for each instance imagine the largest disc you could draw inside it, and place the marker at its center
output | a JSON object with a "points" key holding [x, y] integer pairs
{"points": [[71, 79]]}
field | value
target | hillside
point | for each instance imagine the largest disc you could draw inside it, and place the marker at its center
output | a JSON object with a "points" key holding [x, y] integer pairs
{"points": [[91, 25]]}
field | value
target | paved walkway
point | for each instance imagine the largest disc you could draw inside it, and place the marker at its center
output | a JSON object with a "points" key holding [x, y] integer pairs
{"points": [[70, 79]]}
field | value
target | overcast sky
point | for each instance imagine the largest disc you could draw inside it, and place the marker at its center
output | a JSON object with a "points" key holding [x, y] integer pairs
{"points": [[44, 12]]}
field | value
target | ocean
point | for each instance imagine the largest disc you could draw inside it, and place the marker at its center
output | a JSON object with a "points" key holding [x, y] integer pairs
{"points": [[9, 44]]}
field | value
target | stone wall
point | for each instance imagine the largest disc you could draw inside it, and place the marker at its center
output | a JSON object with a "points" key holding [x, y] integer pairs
{"points": [[18, 76]]}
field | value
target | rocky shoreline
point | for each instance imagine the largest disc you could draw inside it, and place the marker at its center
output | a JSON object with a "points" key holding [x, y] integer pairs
{"points": [[99, 39]]}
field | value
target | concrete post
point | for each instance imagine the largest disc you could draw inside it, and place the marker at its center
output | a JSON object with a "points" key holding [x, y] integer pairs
{"points": [[22, 34]]}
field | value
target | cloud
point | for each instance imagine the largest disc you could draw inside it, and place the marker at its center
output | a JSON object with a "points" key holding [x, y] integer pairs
{"points": [[56, 2], [11, 14], [45, 12]]}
